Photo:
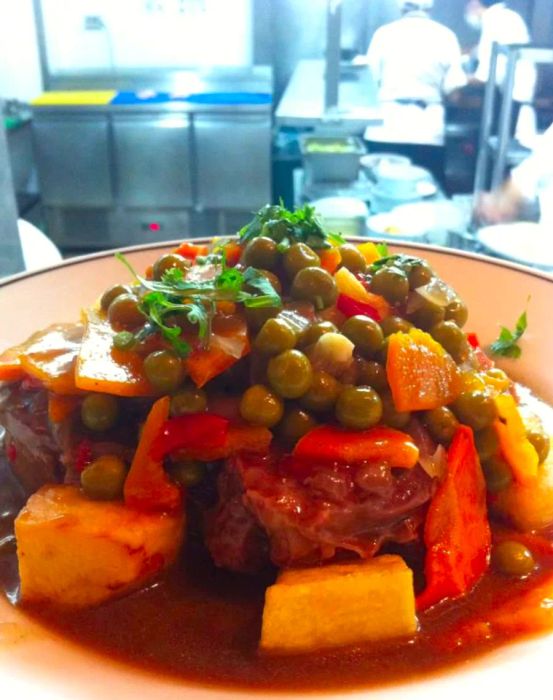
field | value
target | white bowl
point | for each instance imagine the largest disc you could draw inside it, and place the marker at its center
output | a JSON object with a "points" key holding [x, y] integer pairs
{"points": [[522, 241], [37, 664]]}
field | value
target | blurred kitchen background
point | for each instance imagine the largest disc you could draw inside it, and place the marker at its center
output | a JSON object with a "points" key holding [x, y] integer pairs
{"points": [[137, 121]]}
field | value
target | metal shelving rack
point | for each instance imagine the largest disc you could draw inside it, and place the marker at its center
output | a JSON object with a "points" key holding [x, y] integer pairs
{"points": [[500, 145]]}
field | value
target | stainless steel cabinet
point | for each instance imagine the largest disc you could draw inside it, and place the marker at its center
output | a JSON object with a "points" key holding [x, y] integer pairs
{"points": [[152, 160], [233, 160], [72, 155]]}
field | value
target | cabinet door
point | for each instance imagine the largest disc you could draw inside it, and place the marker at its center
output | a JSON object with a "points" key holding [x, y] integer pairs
{"points": [[234, 160], [72, 155], [152, 160]]}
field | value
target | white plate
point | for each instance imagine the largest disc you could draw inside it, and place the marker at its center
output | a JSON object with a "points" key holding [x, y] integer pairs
{"points": [[36, 664], [522, 241]]}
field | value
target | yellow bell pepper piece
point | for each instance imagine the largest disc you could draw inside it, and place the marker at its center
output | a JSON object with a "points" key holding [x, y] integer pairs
{"points": [[517, 450], [349, 285]]}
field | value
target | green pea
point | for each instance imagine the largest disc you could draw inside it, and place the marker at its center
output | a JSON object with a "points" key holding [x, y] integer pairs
{"points": [[427, 314], [103, 479], [372, 374], [395, 324], [452, 339], [512, 558], [420, 274], [390, 415], [99, 412], [290, 374], [123, 312], [441, 423], [260, 406], [299, 256], [486, 443], [124, 340], [475, 409], [295, 424], [391, 283], [322, 394], [457, 312], [188, 473], [316, 285], [167, 262], [497, 473], [191, 400], [358, 407], [256, 317], [164, 370], [352, 258], [275, 336], [541, 442], [112, 293], [364, 333], [262, 252], [314, 331]]}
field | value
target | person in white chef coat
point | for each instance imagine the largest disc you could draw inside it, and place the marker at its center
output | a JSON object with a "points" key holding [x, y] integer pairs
{"points": [[499, 24], [416, 62], [529, 183]]}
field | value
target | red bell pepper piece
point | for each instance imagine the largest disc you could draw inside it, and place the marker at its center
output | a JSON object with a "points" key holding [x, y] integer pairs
{"points": [[328, 443], [193, 431], [473, 340], [457, 532], [147, 486], [351, 307]]}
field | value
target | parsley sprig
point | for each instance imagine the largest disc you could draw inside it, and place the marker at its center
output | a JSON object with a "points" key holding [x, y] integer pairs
{"points": [[507, 343], [195, 300], [288, 227]]}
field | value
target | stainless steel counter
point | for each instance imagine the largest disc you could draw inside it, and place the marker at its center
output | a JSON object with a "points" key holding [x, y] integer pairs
{"points": [[158, 167], [302, 104]]}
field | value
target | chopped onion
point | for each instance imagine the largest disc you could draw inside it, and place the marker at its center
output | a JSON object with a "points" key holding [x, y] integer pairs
{"points": [[437, 292], [435, 465]]}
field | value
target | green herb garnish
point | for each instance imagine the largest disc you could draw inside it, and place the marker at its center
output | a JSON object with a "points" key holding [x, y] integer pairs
{"points": [[507, 343], [195, 300], [405, 262], [288, 227]]}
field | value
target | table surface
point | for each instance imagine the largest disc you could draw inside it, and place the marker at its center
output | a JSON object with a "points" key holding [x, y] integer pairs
{"points": [[302, 103]]}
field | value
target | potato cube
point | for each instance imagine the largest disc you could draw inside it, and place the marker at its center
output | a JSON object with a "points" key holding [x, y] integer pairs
{"points": [[528, 506], [75, 552], [338, 605]]}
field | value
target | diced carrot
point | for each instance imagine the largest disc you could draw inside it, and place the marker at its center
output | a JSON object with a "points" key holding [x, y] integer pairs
{"points": [[330, 259], [517, 450], [224, 351], [102, 368], [240, 437], [329, 443], [191, 250], [48, 356], [350, 286], [10, 365], [60, 407], [422, 376], [456, 532], [369, 251], [147, 486], [226, 307]]}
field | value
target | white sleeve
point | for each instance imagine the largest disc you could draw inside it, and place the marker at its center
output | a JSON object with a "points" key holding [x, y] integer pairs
{"points": [[455, 76], [537, 167], [374, 57], [484, 55]]}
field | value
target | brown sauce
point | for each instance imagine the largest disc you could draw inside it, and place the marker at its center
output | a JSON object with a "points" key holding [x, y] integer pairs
{"points": [[203, 624]]}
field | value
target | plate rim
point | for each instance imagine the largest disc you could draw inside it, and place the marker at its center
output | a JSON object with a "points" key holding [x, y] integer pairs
{"points": [[453, 252]]}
